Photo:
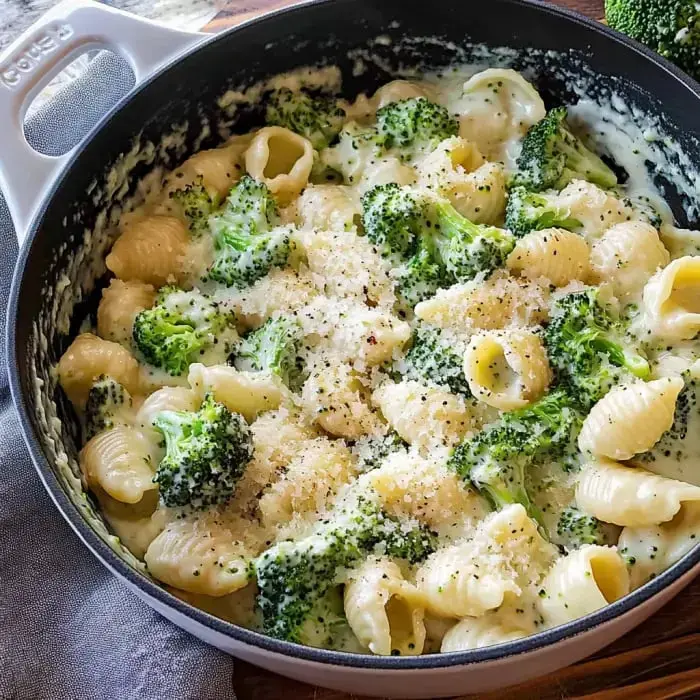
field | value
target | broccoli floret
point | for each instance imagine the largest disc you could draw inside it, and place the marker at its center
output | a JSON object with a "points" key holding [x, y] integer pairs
{"points": [[319, 119], [293, 576], [274, 348], [419, 278], [669, 27], [464, 248], [574, 529], [415, 124], [197, 205], [372, 450], [206, 453], [432, 358], [495, 460], [587, 347], [107, 398], [530, 211], [552, 156], [247, 239], [181, 328]]}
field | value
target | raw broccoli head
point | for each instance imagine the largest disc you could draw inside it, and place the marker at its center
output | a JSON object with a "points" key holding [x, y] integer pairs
{"points": [[372, 450], [431, 358], [106, 399], [197, 205], [293, 576], [531, 211], [464, 248], [669, 27], [575, 528], [420, 277], [180, 328], [495, 460], [319, 119], [392, 218], [274, 348], [587, 348], [206, 453], [552, 156], [415, 124], [247, 240]]}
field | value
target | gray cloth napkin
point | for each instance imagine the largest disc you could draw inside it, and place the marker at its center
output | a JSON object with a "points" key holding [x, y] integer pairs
{"points": [[69, 630]]}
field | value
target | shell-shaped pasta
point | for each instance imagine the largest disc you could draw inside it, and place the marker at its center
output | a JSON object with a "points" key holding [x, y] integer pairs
{"points": [[582, 582], [626, 256], [335, 398], [629, 496], [452, 159], [199, 556], [630, 418], [309, 483], [170, 398], [478, 632], [397, 90], [596, 209], [120, 303], [497, 108], [671, 300], [150, 250], [411, 486], [558, 255], [383, 610], [329, 208], [500, 302], [89, 357], [247, 393], [652, 549], [119, 462], [381, 171], [502, 559], [423, 415], [680, 242], [481, 196], [507, 369], [281, 159]]}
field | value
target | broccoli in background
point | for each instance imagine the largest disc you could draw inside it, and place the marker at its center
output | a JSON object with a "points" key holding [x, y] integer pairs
{"points": [[197, 205], [414, 124], [669, 27], [247, 238], [419, 277], [575, 529], [495, 460], [274, 348], [107, 398], [532, 211], [180, 328], [587, 347], [206, 453], [552, 156], [372, 450], [319, 119], [293, 575], [432, 359]]}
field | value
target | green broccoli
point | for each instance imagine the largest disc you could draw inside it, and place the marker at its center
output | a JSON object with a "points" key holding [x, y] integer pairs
{"points": [[197, 205], [206, 453], [319, 119], [552, 156], [574, 529], [432, 358], [669, 27], [107, 398], [247, 237], [372, 450], [587, 347], [414, 124], [293, 576], [181, 328], [496, 459], [274, 347], [530, 211], [419, 277]]}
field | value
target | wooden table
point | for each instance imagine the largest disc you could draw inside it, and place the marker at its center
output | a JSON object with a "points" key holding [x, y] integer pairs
{"points": [[660, 660]]}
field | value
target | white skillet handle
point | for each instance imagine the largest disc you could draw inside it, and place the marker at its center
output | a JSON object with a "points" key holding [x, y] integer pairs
{"points": [[66, 31]]}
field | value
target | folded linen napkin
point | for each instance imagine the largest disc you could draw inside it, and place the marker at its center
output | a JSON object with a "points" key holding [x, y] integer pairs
{"points": [[69, 630]]}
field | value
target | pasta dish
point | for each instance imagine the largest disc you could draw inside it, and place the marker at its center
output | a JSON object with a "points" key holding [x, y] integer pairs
{"points": [[410, 374]]}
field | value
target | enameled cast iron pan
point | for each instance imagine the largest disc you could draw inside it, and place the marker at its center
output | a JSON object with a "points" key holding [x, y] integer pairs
{"points": [[179, 78]]}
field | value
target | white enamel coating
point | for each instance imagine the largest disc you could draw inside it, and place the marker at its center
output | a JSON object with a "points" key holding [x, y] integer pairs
{"points": [[26, 66]]}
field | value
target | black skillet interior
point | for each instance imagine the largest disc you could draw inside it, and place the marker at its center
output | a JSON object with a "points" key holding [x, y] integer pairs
{"points": [[316, 34]]}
